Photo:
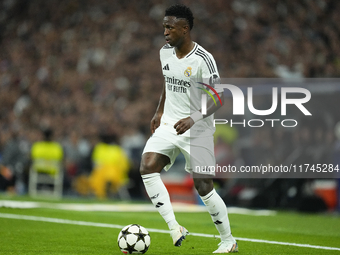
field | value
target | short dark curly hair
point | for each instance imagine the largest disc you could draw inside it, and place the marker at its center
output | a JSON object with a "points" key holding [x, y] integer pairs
{"points": [[181, 11]]}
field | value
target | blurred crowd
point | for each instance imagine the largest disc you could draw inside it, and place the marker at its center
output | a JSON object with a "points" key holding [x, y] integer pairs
{"points": [[87, 68]]}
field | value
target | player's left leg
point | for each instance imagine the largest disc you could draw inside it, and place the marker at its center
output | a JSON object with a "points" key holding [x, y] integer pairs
{"points": [[202, 156], [217, 210]]}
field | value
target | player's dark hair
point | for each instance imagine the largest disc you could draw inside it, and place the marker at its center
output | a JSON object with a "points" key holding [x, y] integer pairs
{"points": [[181, 11]]}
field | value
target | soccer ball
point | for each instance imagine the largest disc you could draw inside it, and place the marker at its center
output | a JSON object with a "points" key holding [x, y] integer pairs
{"points": [[134, 239]]}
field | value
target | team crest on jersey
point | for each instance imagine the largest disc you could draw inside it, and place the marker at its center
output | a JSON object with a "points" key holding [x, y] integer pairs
{"points": [[187, 72]]}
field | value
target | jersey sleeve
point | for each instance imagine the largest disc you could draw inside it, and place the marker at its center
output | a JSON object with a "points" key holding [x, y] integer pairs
{"points": [[165, 52], [210, 73]]}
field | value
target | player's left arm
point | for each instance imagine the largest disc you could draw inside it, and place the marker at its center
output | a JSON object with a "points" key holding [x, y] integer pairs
{"points": [[207, 72], [185, 124]]}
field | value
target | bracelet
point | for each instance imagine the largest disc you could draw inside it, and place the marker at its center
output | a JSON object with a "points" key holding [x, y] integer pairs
{"points": [[196, 116]]}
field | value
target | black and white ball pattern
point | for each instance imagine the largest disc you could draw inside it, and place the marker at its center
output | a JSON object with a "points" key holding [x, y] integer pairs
{"points": [[134, 239]]}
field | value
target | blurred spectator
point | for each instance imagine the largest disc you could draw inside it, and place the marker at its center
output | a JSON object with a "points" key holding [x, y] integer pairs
{"points": [[7, 180], [47, 169], [76, 150], [110, 168], [15, 161]]}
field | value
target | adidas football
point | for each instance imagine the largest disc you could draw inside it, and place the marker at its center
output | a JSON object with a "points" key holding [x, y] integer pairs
{"points": [[134, 239]]}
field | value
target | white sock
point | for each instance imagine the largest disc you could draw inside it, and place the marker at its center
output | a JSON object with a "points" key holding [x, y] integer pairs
{"points": [[159, 196], [219, 214]]}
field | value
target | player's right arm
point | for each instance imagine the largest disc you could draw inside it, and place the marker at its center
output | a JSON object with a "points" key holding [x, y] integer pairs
{"points": [[156, 120]]}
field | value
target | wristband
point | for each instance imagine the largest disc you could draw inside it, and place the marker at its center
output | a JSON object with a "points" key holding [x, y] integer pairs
{"points": [[196, 116]]}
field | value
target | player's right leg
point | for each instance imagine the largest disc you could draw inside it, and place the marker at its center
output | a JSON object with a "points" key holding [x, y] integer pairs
{"points": [[151, 165]]}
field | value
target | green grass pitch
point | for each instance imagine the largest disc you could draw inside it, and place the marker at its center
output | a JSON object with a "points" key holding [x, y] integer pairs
{"points": [[18, 236]]}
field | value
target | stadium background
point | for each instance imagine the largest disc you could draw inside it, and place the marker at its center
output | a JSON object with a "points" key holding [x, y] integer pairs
{"points": [[87, 68]]}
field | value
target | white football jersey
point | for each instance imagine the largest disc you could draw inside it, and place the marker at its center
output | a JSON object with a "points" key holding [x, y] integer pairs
{"points": [[183, 93]]}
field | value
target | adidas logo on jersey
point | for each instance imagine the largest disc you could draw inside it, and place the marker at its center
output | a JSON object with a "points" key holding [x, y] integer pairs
{"points": [[166, 67]]}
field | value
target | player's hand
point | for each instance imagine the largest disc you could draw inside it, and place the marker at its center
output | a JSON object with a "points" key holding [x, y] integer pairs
{"points": [[183, 125], [155, 122]]}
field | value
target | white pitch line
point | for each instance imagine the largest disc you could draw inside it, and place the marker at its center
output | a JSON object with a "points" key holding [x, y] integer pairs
{"points": [[178, 207], [107, 225]]}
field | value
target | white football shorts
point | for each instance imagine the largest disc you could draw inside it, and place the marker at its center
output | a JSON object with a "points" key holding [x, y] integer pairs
{"points": [[198, 151]]}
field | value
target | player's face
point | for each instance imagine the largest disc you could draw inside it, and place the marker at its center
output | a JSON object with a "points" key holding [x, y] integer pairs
{"points": [[174, 30]]}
